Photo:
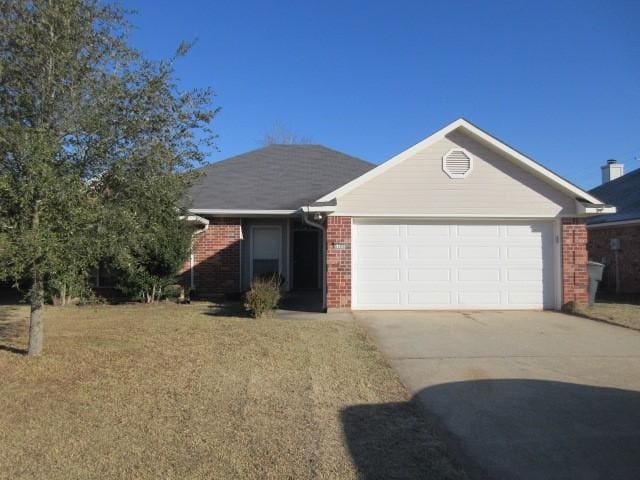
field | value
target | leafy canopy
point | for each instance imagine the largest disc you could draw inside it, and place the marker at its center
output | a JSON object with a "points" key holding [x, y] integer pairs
{"points": [[97, 143]]}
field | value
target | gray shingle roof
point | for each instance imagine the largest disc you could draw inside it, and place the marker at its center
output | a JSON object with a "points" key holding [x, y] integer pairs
{"points": [[276, 177], [624, 194]]}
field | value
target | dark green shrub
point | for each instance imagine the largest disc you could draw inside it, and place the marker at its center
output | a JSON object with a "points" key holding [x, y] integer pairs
{"points": [[173, 292], [263, 297]]}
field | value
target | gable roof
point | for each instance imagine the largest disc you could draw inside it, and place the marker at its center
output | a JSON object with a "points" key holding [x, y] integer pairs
{"points": [[278, 178], [515, 156], [624, 193]]}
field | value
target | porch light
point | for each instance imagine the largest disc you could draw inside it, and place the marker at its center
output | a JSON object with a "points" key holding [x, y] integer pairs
{"points": [[317, 216]]}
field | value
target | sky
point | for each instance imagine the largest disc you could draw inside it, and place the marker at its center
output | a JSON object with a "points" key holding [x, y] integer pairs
{"points": [[557, 80]]}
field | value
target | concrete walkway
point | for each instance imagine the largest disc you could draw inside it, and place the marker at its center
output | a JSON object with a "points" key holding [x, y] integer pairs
{"points": [[522, 395]]}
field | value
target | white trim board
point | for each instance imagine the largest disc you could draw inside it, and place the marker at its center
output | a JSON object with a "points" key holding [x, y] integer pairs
{"points": [[544, 173], [445, 216], [584, 209], [231, 212]]}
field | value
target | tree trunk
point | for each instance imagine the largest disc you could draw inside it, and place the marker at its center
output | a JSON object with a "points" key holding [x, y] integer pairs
{"points": [[36, 324]]}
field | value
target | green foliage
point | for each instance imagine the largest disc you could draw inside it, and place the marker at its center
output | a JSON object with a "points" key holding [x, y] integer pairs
{"points": [[67, 287], [263, 297], [152, 263], [173, 292], [97, 145]]}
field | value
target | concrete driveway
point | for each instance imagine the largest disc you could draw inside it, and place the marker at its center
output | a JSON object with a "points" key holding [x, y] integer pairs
{"points": [[522, 395]]}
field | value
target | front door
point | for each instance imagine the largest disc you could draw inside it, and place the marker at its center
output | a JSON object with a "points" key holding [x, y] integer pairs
{"points": [[306, 259]]}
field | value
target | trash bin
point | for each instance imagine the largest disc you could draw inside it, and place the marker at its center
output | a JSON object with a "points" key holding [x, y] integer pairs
{"points": [[595, 275]]}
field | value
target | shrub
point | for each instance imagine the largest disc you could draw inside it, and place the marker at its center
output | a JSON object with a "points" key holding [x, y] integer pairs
{"points": [[89, 298], [173, 292], [263, 297]]}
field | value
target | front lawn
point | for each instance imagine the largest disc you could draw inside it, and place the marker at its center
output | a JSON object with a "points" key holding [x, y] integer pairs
{"points": [[178, 392], [617, 312]]}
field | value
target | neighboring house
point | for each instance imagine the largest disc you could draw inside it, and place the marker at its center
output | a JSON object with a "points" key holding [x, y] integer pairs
{"points": [[458, 221], [615, 239]]}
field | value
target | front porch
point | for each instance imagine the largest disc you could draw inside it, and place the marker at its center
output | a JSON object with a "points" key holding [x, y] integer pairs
{"points": [[290, 247], [312, 257]]}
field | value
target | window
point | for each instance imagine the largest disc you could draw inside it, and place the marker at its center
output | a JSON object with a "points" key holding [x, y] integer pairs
{"points": [[457, 163], [266, 243]]}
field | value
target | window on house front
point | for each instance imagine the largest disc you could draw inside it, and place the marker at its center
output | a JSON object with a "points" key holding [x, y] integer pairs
{"points": [[266, 243]]}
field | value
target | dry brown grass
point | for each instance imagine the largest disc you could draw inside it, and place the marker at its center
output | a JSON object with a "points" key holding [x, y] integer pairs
{"points": [[175, 392], [625, 314]]}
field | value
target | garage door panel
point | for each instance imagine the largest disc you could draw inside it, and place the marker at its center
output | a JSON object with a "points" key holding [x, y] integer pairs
{"points": [[472, 298], [476, 231], [471, 252], [524, 275], [428, 298], [427, 252], [428, 274], [436, 265], [379, 298], [479, 274], [433, 231], [524, 253], [380, 232], [379, 274], [378, 252], [524, 298]]}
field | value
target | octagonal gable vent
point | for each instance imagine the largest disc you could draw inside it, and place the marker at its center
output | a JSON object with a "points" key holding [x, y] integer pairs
{"points": [[457, 163]]}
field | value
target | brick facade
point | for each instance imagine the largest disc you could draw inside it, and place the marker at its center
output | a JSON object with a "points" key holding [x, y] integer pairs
{"points": [[338, 262], [628, 263], [217, 258], [575, 278]]}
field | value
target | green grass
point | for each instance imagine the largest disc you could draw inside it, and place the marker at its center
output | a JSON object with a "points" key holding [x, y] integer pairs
{"points": [[179, 392]]}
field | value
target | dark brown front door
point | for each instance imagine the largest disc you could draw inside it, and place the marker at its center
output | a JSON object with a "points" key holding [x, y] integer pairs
{"points": [[306, 259]]}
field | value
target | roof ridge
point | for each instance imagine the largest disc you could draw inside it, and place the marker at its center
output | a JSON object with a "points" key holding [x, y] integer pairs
{"points": [[315, 145], [274, 177], [224, 160]]}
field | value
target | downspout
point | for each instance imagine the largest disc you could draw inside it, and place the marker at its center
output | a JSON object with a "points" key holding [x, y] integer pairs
{"points": [[324, 256], [201, 221]]}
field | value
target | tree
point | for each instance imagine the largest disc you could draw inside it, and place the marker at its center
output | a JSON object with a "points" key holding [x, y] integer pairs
{"points": [[281, 134], [94, 140], [162, 242]]}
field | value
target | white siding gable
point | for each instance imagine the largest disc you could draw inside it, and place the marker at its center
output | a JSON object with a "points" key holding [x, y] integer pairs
{"points": [[419, 186]]}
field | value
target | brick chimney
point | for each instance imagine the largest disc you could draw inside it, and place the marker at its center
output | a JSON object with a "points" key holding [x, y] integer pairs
{"points": [[612, 170]]}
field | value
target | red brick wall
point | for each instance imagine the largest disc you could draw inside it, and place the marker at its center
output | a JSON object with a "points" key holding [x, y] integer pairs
{"points": [[575, 279], [217, 258], [628, 256], [338, 262]]}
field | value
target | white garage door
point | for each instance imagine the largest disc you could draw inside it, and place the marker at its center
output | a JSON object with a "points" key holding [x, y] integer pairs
{"points": [[466, 265]]}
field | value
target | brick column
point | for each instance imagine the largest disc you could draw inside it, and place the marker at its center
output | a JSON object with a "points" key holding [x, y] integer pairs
{"points": [[575, 277], [338, 262], [217, 258]]}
